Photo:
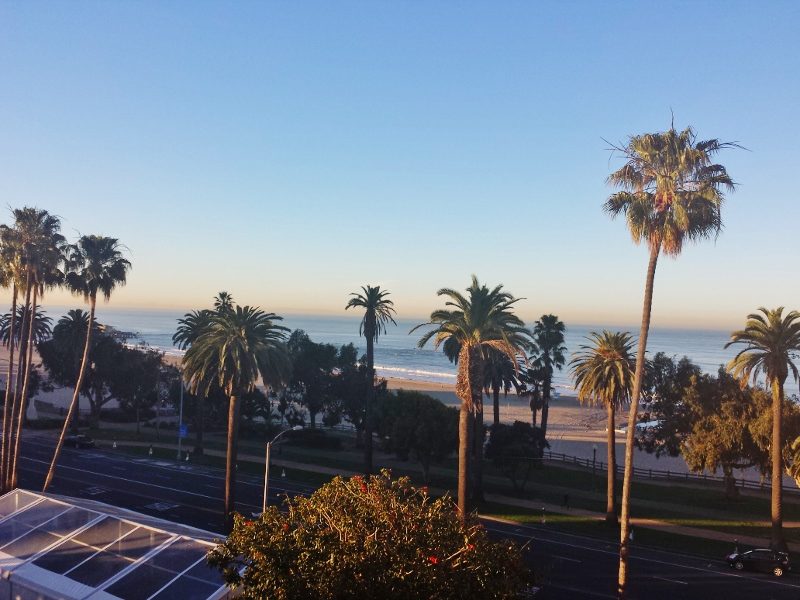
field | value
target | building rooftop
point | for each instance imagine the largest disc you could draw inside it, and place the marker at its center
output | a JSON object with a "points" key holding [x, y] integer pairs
{"points": [[58, 547]]}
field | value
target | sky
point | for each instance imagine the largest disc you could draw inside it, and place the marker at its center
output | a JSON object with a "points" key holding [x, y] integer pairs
{"points": [[290, 152]]}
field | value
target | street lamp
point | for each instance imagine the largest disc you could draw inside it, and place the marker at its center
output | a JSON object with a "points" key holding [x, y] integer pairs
{"points": [[594, 462], [266, 463]]}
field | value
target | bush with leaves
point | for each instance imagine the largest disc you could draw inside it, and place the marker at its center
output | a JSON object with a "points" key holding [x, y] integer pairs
{"points": [[368, 538]]}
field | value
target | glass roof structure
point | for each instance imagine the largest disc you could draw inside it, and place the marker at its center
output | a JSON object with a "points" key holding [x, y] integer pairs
{"points": [[65, 548]]}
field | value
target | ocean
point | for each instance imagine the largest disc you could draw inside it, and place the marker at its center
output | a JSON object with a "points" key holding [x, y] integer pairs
{"points": [[396, 353]]}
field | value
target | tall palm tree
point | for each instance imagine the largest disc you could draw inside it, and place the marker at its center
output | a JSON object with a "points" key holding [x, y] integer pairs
{"points": [[500, 374], [223, 301], [771, 345], [603, 372], [237, 348], [96, 265], [550, 353], [671, 191], [378, 313], [469, 326], [40, 246], [10, 269]]}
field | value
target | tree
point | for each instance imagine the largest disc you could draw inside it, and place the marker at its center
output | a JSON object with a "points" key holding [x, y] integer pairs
{"points": [[549, 354], [237, 348], [10, 274], [500, 373], [39, 244], [378, 313], [603, 372], [531, 380], [415, 425], [473, 323], [42, 327], [771, 345], [664, 387], [365, 539], [312, 372], [95, 265], [670, 192], [134, 379], [725, 427], [190, 327], [514, 450]]}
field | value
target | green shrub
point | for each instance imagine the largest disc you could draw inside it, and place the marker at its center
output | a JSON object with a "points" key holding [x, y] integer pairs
{"points": [[373, 538]]}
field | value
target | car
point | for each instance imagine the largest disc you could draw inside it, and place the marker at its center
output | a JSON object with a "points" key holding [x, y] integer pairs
{"points": [[79, 441], [761, 559]]}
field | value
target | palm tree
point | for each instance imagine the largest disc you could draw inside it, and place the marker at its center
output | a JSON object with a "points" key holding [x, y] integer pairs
{"points": [[500, 373], [603, 372], [772, 344], [378, 311], [469, 326], [42, 328], [40, 246], [550, 353], [95, 265], [190, 327], [237, 347], [10, 268], [671, 191]]}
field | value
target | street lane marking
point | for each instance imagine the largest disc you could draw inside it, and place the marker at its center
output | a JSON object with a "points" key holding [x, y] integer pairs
{"points": [[575, 560], [670, 580], [651, 560]]}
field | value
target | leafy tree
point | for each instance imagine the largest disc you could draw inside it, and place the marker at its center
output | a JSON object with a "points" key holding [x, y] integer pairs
{"points": [[378, 313], [603, 372], [670, 192], [471, 324], [95, 264], [530, 381], [313, 365], [366, 539], [415, 425], [771, 345], [549, 354], [514, 450], [665, 383], [134, 379], [724, 432], [237, 348]]}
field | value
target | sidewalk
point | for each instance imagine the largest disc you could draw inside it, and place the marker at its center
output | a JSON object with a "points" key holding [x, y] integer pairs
{"points": [[531, 505]]}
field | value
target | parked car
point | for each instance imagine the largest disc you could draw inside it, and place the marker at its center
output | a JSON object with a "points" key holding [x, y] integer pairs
{"points": [[766, 561], [79, 441]]}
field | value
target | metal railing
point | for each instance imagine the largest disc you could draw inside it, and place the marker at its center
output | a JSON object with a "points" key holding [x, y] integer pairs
{"points": [[663, 475]]}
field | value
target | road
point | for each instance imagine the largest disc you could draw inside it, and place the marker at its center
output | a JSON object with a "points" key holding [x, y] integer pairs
{"points": [[575, 567]]}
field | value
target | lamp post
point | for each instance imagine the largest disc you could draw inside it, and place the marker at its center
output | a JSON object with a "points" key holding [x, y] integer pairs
{"points": [[594, 462], [266, 463]]}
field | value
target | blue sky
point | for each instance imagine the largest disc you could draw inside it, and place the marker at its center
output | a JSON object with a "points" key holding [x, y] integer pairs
{"points": [[291, 151]]}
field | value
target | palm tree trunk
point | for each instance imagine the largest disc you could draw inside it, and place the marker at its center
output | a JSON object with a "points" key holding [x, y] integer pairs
{"points": [[8, 481], [545, 404], [624, 531], [611, 481], [23, 401], [369, 333], [496, 403], [7, 404], [477, 452], [778, 542], [73, 405], [466, 379], [230, 462], [200, 423]]}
